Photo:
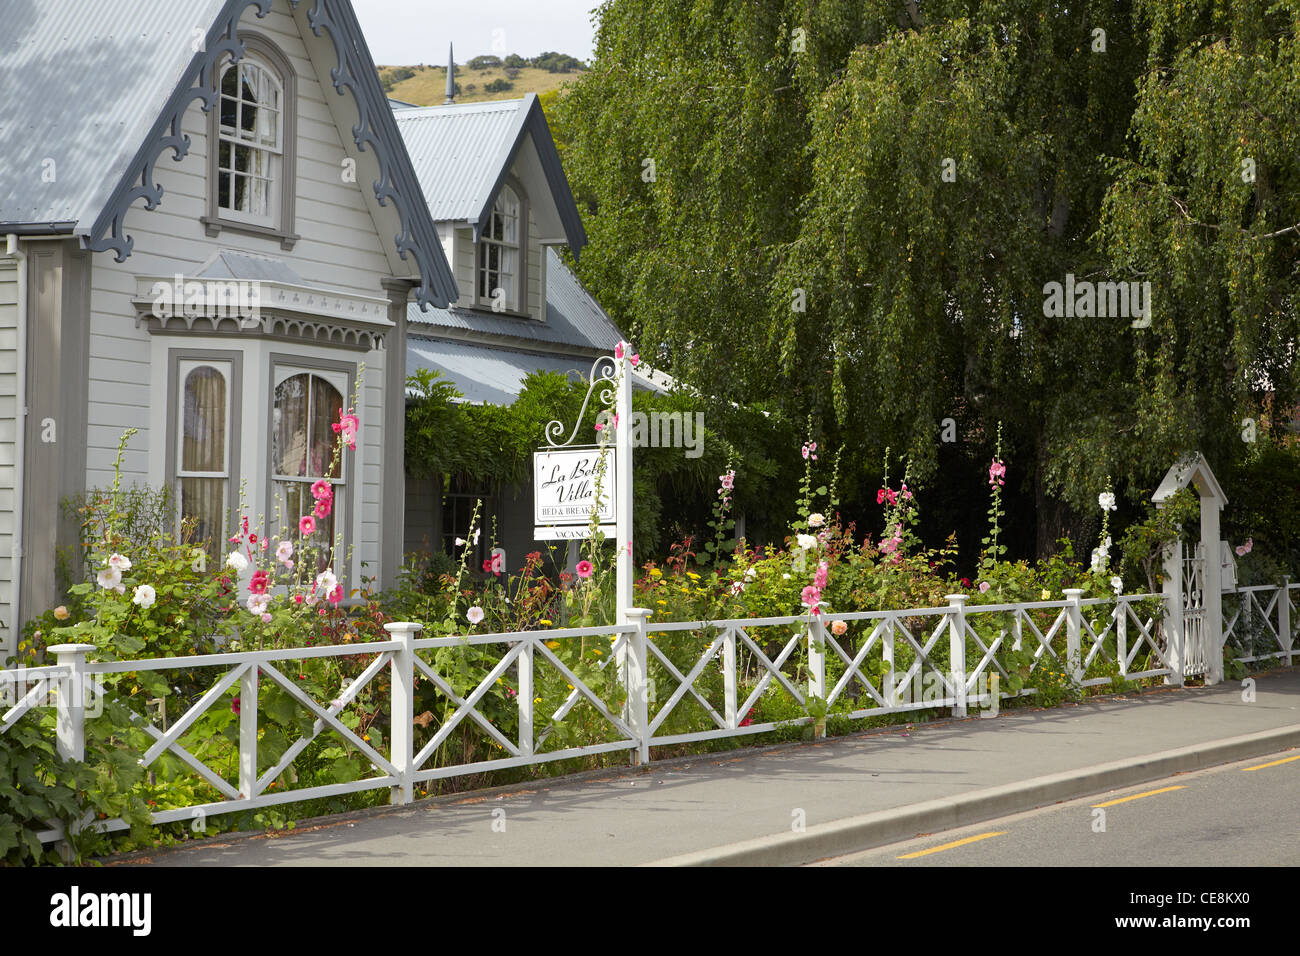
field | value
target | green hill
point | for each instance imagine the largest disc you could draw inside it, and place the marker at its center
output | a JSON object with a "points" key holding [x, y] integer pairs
{"points": [[483, 78]]}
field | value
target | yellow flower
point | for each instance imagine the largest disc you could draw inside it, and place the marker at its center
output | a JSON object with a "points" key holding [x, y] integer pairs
{"points": [[596, 651], [692, 575], [544, 621], [365, 737], [1046, 595], [613, 639], [661, 602], [537, 700], [656, 573], [552, 644], [498, 680], [570, 686]]}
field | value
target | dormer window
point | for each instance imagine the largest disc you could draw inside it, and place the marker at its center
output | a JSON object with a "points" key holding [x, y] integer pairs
{"points": [[252, 133], [498, 270], [250, 142]]}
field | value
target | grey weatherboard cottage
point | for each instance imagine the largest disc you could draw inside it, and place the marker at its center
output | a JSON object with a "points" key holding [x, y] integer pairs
{"points": [[137, 149], [236, 145]]}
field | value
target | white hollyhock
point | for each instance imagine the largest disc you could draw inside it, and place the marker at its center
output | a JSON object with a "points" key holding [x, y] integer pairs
{"points": [[237, 561], [144, 595]]}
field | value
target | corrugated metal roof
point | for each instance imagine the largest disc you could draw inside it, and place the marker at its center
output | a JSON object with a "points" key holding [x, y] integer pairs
{"points": [[482, 373], [233, 264], [573, 317], [459, 152], [83, 82]]}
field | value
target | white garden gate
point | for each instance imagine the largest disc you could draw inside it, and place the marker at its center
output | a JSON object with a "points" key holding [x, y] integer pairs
{"points": [[1196, 651]]}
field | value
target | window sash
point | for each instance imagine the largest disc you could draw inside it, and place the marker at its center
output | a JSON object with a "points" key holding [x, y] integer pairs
{"points": [[203, 495]]}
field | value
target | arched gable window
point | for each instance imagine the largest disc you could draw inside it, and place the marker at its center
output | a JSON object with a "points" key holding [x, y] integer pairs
{"points": [[252, 135], [499, 254], [250, 141]]}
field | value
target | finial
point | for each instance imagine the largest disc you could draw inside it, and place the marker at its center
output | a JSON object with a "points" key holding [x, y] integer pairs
{"points": [[451, 77]]}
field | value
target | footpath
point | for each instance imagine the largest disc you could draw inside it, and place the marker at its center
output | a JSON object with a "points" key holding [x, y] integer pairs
{"points": [[796, 803]]}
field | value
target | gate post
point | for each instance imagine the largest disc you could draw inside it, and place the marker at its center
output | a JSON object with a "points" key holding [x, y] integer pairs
{"points": [[1174, 622]]}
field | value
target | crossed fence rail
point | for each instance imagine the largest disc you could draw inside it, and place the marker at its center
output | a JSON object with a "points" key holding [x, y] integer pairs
{"points": [[1260, 622], [650, 686]]}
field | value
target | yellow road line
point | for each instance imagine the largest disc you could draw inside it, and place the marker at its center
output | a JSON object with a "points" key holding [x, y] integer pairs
{"points": [[1137, 796], [949, 846], [1273, 764]]}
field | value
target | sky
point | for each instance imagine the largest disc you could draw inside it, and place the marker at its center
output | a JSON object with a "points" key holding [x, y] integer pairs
{"points": [[418, 31]]}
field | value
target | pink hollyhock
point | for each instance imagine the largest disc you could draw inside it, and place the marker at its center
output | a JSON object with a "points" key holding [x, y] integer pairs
{"points": [[266, 618], [322, 509], [891, 496], [347, 426], [728, 480], [322, 489], [819, 579], [497, 563], [335, 597], [259, 582], [811, 597], [306, 525], [880, 496], [584, 569], [297, 599], [984, 586], [234, 705], [997, 471]]}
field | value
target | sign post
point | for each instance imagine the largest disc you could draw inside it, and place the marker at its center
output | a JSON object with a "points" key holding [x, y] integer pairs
{"points": [[565, 477], [623, 501]]}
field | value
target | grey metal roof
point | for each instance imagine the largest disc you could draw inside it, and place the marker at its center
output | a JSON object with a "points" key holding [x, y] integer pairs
{"points": [[573, 317], [233, 264], [463, 152], [482, 373], [83, 82], [458, 151]]}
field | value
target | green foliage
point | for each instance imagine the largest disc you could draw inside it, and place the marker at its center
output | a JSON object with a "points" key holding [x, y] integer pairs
{"points": [[799, 207], [1145, 541]]}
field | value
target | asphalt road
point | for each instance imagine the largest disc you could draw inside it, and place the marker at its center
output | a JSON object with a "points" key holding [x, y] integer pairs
{"points": [[1230, 815]]}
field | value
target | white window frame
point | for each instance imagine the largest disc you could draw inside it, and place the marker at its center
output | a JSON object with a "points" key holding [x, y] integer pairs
{"points": [[488, 238], [237, 138], [339, 381], [184, 368]]}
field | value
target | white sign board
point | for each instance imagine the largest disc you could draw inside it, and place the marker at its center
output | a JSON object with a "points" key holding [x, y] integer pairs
{"points": [[564, 492]]}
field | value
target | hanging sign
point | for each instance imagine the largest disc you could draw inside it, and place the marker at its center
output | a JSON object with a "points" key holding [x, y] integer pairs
{"points": [[564, 493]]}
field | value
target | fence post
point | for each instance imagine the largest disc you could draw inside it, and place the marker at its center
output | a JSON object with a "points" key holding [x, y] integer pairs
{"points": [[817, 666], [1073, 631], [957, 651], [1121, 636], [525, 698], [70, 701], [70, 716], [401, 735], [248, 708], [729, 678], [887, 657], [638, 685], [1284, 618]]}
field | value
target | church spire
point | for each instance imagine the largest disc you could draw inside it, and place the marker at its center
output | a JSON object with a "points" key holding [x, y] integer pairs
{"points": [[451, 76]]}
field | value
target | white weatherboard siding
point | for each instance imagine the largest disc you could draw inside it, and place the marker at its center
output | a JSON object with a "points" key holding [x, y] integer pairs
{"points": [[8, 432], [339, 249]]}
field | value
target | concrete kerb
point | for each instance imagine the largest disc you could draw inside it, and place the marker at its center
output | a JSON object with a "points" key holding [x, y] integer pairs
{"points": [[855, 834]]}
